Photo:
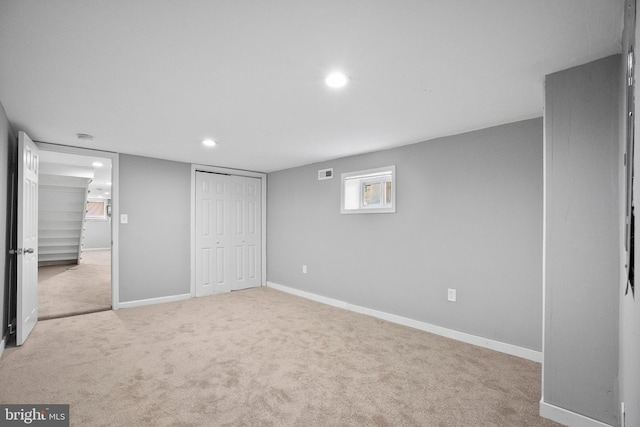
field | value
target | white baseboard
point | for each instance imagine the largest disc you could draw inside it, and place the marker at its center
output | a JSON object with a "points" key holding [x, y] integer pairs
{"points": [[2, 344], [525, 353], [150, 301], [568, 418]]}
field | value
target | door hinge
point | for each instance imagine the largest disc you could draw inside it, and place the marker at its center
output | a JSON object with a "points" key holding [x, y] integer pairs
{"points": [[12, 328], [15, 251]]}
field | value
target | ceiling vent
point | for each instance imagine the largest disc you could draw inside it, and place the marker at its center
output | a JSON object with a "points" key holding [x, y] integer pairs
{"points": [[84, 137], [325, 174]]}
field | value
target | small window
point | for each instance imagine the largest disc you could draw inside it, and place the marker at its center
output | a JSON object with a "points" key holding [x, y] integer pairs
{"points": [[369, 191], [96, 210]]}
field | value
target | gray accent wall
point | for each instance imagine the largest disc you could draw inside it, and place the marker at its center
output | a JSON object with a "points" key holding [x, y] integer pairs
{"points": [[154, 253], [469, 217], [582, 279]]}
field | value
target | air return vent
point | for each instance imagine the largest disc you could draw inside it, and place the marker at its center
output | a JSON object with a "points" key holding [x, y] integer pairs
{"points": [[325, 174]]}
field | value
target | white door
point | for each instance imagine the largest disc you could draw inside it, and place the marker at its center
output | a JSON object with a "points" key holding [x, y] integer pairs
{"points": [[246, 232], [212, 246], [228, 233], [27, 292]]}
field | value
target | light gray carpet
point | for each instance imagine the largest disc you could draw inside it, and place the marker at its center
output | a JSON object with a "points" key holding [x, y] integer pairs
{"points": [[66, 290], [264, 357]]}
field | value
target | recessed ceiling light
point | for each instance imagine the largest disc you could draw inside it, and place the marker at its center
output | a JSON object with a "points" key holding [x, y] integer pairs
{"points": [[336, 79], [209, 142], [107, 183], [97, 164]]}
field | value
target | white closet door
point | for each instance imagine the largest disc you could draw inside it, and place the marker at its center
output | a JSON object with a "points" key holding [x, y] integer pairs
{"points": [[228, 233], [212, 236], [246, 260]]}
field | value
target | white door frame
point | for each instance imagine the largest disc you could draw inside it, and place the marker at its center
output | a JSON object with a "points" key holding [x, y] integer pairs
{"points": [[263, 243], [115, 192]]}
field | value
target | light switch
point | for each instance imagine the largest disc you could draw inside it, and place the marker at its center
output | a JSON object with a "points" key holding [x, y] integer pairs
{"points": [[124, 219]]}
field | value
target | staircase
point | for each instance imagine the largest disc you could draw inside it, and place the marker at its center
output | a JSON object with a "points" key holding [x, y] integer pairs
{"points": [[62, 203]]}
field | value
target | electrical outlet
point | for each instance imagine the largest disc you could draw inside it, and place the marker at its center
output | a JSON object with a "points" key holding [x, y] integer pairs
{"points": [[304, 269], [124, 219], [451, 295]]}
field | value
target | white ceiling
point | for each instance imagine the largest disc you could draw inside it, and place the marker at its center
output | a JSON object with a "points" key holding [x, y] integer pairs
{"points": [[155, 77], [98, 167]]}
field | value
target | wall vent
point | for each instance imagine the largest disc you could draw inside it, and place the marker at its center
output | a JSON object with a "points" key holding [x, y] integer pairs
{"points": [[325, 174]]}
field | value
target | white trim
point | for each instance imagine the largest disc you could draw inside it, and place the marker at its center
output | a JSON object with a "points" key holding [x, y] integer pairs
{"points": [[309, 295], [151, 301], [192, 234], [562, 416], [2, 344], [544, 228], [95, 249], [115, 246], [502, 347], [264, 230], [263, 201], [115, 192]]}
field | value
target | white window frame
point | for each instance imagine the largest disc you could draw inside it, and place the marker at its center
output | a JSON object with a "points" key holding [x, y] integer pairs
{"points": [[105, 215], [352, 194]]}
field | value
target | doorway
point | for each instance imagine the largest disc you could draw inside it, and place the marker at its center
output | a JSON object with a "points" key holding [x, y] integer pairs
{"points": [[77, 251]]}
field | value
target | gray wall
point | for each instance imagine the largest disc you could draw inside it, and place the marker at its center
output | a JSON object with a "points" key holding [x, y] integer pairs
{"points": [[469, 216], [631, 320], [8, 144], [154, 246], [582, 241], [97, 235], [630, 306]]}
